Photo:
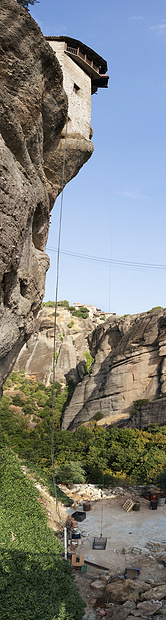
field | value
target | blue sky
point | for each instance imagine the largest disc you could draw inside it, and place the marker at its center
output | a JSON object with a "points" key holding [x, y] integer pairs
{"points": [[115, 207]]}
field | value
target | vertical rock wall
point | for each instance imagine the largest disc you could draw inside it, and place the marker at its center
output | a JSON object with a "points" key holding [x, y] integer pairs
{"points": [[33, 107], [130, 363]]}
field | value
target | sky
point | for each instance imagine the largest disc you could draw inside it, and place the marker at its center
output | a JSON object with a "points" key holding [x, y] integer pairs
{"points": [[113, 251]]}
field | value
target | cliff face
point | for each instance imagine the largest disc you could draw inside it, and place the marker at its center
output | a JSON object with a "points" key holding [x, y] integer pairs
{"points": [[72, 335], [130, 364], [33, 108]]}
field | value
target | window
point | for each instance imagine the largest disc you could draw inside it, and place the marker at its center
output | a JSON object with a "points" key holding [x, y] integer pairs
{"points": [[76, 89]]}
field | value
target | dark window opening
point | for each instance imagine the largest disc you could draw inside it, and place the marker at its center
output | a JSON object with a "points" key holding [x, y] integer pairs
{"points": [[23, 287], [76, 89]]}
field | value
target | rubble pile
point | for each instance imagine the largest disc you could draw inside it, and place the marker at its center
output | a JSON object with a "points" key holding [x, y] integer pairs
{"points": [[86, 492], [119, 598]]}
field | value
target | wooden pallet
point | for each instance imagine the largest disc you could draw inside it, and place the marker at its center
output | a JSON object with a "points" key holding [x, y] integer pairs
{"points": [[128, 505]]}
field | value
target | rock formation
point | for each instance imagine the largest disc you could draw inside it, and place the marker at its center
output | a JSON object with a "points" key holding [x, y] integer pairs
{"points": [[130, 364], [72, 334], [33, 113]]}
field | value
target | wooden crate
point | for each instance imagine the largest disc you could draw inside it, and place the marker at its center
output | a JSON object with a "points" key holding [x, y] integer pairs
{"points": [[127, 506]]}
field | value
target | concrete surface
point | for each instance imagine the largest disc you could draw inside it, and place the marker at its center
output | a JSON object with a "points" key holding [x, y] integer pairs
{"points": [[122, 529]]}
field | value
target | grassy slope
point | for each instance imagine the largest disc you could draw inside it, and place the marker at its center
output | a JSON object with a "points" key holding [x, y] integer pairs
{"points": [[35, 582]]}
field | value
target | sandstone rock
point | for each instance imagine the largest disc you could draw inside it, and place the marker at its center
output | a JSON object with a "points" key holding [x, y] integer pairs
{"points": [[126, 550], [157, 593], [137, 615], [149, 608], [36, 357], [98, 585], [121, 591], [130, 605], [118, 613], [129, 365], [33, 108]]}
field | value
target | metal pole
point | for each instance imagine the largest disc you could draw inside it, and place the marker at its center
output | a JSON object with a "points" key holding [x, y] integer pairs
{"points": [[65, 542]]}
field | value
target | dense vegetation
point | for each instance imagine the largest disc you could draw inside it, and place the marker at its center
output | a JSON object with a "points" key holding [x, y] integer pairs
{"points": [[25, 425], [82, 313], [35, 581]]}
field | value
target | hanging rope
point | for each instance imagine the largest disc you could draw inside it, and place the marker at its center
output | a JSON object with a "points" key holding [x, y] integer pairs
{"points": [[55, 324], [102, 506]]}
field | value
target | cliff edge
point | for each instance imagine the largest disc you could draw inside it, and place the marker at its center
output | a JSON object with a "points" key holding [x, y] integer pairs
{"points": [[129, 364], [33, 108]]}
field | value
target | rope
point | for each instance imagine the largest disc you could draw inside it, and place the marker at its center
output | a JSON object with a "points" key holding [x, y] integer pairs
{"points": [[55, 326], [102, 505], [110, 263]]}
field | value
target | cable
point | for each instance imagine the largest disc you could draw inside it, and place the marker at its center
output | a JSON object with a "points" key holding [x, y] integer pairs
{"points": [[113, 262], [55, 324], [102, 506]]}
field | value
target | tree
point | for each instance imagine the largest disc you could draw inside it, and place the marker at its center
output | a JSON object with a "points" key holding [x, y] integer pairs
{"points": [[25, 3]]}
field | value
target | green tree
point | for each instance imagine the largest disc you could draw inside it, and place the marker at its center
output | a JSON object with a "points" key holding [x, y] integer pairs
{"points": [[70, 472], [25, 3]]}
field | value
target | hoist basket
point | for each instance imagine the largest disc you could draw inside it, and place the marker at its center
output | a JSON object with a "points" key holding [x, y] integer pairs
{"points": [[78, 515], [99, 543]]}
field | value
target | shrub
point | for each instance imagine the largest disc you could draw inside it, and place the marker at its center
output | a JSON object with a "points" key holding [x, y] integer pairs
{"points": [[82, 313], [70, 472], [70, 325], [56, 356], [63, 304], [89, 361], [50, 304], [25, 3], [98, 416], [18, 401]]}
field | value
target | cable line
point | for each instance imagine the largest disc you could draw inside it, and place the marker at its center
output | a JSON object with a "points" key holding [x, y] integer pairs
{"points": [[55, 323], [105, 260]]}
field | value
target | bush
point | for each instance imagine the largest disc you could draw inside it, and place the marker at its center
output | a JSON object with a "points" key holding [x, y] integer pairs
{"points": [[98, 416], [161, 479], [50, 304], [70, 472], [70, 325], [82, 313], [89, 361], [63, 304], [18, 401]]}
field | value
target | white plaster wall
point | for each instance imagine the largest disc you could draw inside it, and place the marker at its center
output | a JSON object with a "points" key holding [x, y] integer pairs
{"points": [[79, 104]]}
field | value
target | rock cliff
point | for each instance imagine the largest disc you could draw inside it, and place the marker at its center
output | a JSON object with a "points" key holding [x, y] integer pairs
{"points": [[33, 108], [130, 364], [72, 343]]}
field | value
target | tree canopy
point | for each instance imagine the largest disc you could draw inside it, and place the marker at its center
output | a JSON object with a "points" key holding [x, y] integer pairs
{"points": [[25, 3]]}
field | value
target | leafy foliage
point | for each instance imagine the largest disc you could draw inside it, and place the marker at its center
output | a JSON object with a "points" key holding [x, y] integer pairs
{"points": [[35, 582], [70, 472], [25, 3], [64, 303], [89, 361], [82, 313], [131, 455]]}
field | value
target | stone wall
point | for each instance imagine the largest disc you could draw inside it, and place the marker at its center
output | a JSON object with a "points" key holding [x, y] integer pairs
{"points": [[79, 110]]}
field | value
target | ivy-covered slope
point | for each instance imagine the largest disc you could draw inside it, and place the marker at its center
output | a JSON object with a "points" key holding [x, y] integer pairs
{"points": [[35, 581]]}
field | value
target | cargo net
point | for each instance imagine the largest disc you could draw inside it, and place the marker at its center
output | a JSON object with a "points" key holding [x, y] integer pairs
{"points": [[99, 543]]}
